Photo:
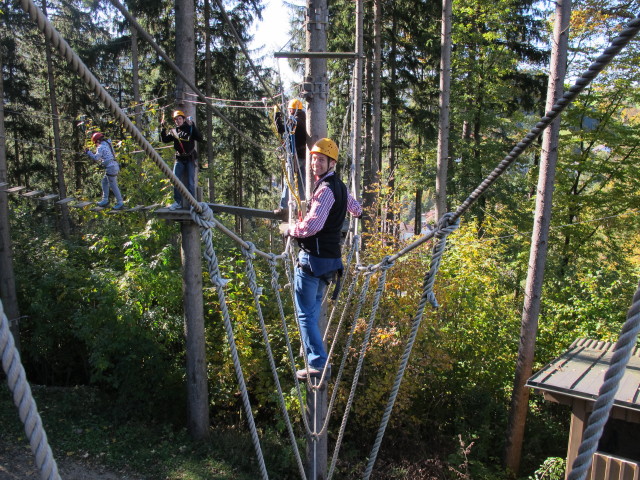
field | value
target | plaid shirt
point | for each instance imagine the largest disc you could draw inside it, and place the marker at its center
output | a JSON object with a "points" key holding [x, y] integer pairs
{"points": [[321, 202]]}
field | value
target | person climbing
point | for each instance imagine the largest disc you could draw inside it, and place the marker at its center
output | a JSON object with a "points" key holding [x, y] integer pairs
{"points": [[295, 127], [184, 137], [106, 157], [320, 258]]}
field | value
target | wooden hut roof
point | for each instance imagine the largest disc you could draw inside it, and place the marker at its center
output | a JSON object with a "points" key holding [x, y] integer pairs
{"points": [[579, 373]]}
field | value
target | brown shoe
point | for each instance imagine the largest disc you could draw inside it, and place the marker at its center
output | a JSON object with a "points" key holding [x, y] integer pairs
{"points": [[313, 372]]}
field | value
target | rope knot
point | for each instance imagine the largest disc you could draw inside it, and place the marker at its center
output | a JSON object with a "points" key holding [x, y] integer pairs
{"points": [[250, 250], [445, 225], [205, 218], [386, 264]]}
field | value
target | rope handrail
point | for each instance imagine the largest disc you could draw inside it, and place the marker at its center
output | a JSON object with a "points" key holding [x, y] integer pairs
{"points": [[23, 400]]}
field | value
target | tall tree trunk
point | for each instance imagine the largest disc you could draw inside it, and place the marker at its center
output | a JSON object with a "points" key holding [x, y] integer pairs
{"points": [[373, 173], [443, 120], [7, 278], [357, 101], [208, 93], [539, 242], [417, 222], [137, 108], [393, 109], [197, 390], [62, 186]]}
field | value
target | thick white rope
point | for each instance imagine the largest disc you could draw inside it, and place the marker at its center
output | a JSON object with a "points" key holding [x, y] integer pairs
{"points": [[257, 292], [382, 280], [206, 223], [27, 410], [444, 229]]}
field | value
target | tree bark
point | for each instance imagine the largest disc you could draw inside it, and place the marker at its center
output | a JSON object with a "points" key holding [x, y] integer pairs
{"points": [[135, 67], [7, 277], [209, 92], [539, 244], [65, 224], [372, 175], [197, 390], [443, 120]]}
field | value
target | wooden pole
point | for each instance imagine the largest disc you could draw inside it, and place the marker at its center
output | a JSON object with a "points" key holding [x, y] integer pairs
{"points": [[357, 101], [316, 89], [443, 119], [197, 390]]}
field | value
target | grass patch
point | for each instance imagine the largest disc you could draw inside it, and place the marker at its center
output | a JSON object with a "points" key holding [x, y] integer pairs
{"points": [[80, 425]]}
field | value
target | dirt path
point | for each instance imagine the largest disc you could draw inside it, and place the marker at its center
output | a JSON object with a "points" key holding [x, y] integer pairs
{"points": [[18, 463]]}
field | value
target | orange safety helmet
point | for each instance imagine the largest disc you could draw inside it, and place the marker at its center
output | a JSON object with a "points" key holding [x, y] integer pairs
{"points": [[178, 113], [295, 104], [97, 137], [327, 147]]}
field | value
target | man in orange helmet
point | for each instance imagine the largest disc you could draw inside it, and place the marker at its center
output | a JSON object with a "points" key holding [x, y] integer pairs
{"points": [[319, 235], [184, 137]]}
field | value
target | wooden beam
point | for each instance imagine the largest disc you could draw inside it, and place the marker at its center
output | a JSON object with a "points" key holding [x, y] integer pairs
{"points": [[315, 54], [183, 213], [576, 430]]}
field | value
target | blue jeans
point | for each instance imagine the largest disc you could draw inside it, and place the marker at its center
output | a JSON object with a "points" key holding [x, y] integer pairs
{"points": [[111, 182], [309, 291], [186, 173]]}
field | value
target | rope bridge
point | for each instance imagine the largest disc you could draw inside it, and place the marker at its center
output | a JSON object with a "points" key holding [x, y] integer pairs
{"points": [[361, 276]]}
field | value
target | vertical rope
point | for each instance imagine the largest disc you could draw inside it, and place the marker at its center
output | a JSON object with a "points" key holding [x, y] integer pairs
{"points": [[27, 410], [256, 291], [606, 395], [206, 223], [365, 343], [427, 295]]}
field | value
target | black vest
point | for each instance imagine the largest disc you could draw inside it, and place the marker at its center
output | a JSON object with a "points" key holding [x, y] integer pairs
{"points": [[326, 243]]}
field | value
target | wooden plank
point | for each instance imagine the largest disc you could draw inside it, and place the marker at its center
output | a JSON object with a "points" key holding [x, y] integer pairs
{"points": [[15, 189], [50, 196], [135, 209], [65, 200], [243, 211], [81, 204], [96, 209], [32, 193], [576, 430], [151, 207], [3, 184]]}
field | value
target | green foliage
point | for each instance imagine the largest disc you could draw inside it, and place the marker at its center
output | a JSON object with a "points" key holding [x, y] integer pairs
{"points": [[552, 469]]}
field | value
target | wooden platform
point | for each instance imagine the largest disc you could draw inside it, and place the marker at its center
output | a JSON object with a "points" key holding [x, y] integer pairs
{"points": [[183, 213]]}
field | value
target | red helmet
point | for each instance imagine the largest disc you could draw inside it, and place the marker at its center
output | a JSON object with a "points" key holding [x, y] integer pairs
{"points": [[97, 137]]}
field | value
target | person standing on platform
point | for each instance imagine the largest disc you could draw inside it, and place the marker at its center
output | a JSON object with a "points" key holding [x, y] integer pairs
{"points": [[319, 236], [184, 137], [295, 128]]}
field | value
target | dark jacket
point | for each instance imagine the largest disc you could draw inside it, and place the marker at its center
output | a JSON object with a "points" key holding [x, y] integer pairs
{"points": [[184, 144], [298, 124], [326, 243]]}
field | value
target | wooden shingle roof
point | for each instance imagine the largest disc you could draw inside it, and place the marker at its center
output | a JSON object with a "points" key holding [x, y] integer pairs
{"points": [[579, 373]]}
